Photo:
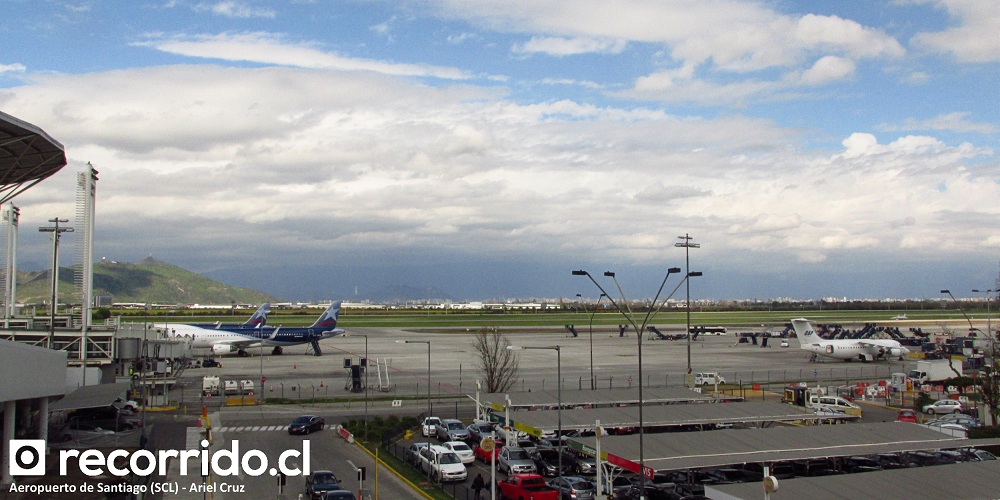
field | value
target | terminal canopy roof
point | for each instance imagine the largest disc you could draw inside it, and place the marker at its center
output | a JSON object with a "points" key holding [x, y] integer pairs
{"points": [[687, 450], [538, 422], [27, 156]]}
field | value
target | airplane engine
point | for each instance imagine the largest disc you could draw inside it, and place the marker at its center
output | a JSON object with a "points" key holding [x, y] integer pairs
{"points": [[222, 349], [896, 352]]}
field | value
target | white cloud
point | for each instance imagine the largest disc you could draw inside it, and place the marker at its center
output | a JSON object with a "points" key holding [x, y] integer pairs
{"points": [[237, 9], [560, 46], [974, 39], [957, 122], [12, 68], [329, 163], [828, 69], [268, 48]]}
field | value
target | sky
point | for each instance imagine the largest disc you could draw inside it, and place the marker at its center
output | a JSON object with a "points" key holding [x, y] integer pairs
{"points": [[321, 150]]}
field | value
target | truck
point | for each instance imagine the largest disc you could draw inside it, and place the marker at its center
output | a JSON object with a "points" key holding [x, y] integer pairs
{"points": [[930, 371], [526, 487], [210, 385]]}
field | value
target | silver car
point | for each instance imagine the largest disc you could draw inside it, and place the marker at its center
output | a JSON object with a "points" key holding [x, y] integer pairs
{"points": [[452, 430], [513, 460]]}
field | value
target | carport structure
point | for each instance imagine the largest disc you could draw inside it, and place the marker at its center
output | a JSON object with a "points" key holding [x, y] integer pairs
{"points": [[598, 398], [691, 450], [666, 417], [27, 156]]}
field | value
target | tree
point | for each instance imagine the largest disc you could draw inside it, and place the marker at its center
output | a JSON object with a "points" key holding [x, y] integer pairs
{"points": [[499, 364]]}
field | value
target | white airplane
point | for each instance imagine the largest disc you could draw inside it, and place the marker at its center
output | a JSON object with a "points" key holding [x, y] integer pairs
{"points": [[845, 349], [226, 340]]}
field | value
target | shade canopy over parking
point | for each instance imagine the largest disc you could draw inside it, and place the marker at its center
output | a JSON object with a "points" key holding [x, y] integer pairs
{"points": [[705, 415], [957, 481], [91, 396], [536, 400], [687, 450], [27, 156]]}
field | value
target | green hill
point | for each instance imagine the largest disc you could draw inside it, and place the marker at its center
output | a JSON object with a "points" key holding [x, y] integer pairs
{"points": [[149, 280]]}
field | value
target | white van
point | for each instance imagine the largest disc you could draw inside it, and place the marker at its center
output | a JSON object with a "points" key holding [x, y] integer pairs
{"points": [[210, 384], [833, 403], [708, 378], [442, 464]]}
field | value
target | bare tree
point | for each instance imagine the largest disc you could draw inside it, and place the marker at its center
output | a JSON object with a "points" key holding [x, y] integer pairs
{"points": [[499, 364]]}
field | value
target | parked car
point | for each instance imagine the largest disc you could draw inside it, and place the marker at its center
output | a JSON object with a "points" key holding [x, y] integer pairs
{"points": [[923, 459], [852, 465], [461, 449], [513, 460], [943, 406], [526, 486], [339, 495], [79, 431], [547, 462], [487, 456], [319, 482], [452, 430], [977, 455], [478, 431], [585, 465], [413, 453], [441, 464], [616, 485], [429, 428], [306, 424], [708, 378], [754, 472], [892, 461], [906, 415], [573, 487]]}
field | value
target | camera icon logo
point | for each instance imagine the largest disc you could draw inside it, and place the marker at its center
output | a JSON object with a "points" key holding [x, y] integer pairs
{"points": [[27, 457]]}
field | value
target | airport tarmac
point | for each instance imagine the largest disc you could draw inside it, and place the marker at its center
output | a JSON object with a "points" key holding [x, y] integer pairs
{"points": [[402, 369]]}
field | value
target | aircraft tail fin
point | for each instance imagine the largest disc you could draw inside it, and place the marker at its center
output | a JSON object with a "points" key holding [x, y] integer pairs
{"points": [[804, 332], [259, 317], [328, 320]]}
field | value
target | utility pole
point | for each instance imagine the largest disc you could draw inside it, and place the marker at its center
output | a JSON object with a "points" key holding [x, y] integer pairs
{"points": [[687, 245], [56, 232]]}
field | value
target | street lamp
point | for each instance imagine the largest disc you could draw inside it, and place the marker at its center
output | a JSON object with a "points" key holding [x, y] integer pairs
{"points": [[959, 306], [593, 380], [558, 351], [989, 320], [638, 334], [428, 342], [56, 234], [687, 246]]}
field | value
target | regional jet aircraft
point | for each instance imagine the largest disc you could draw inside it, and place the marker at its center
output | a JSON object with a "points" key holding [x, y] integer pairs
{"points": [[225, 340], [862, 349]]}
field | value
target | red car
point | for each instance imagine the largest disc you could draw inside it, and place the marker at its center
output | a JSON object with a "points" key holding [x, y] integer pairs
{"points": [[906, 416], [485, 456]]}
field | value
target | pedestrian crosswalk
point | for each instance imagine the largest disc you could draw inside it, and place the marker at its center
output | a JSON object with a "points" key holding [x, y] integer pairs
{"points": [[259, 428]]}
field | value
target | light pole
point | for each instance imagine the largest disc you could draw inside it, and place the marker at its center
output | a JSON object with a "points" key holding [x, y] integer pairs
{"points": [[593, 380], [558, 351], [972, 329], [687, 245], [428, 342], [989, 321], [638, 334]]}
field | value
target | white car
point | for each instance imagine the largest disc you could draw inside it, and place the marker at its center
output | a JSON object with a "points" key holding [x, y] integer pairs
{"points": [[430, 426], [943, 406], [441, 464], [462, 450]]}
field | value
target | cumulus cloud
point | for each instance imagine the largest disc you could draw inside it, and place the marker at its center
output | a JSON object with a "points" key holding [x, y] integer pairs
{"points": [[12, 68], [973, 39]]}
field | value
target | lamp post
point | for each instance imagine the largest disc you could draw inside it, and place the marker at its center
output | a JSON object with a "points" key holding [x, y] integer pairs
{"points": [[638, 333], [959, 306], [989, 320], [593, 379], [687, 246], [558, 351], [428, 342]]}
